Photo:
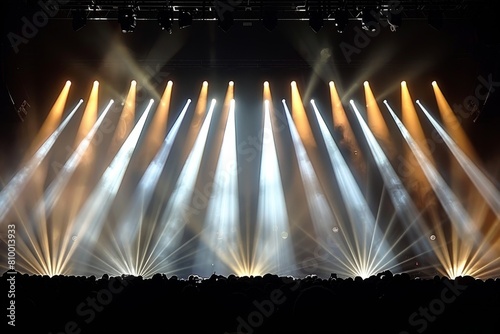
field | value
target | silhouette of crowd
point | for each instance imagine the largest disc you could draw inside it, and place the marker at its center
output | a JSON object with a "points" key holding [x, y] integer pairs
{"points": [[383, 303]]}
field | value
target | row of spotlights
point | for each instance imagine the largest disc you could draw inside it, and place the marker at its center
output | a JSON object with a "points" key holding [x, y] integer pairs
{"points": [[266, 83], [127, 17]]}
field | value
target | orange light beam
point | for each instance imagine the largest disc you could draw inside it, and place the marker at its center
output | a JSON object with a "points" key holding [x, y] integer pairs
{"points": [[412, 123], [126, 121], [376, 120], [89, 115], [52, 121], [300, 117], [197, 118], [158, 126], [340, 120], [452, 124]]}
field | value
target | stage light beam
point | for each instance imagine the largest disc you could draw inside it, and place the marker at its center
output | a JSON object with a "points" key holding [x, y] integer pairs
{"points": [[371, 254], [221, 249], [55, 189], [482, 183], [272, 252], [344, 133], [401, 200], [323, 218], [125, 122], [132, 235], [447, 198], [452, 124], [178, 212], [158, 126], [13, 189], [377, 122], [89, 115], [300, 118], [88, 223], [51, 122]]}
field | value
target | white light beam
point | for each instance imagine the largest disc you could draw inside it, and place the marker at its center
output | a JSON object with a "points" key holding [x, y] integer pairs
{"points": [[485, 186], [13, 189], [54, 191], [448, 200], [405, 208]]}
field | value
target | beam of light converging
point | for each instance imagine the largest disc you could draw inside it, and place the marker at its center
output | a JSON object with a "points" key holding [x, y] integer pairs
{"points": [[273, 244], [55, 189], [132, 237], [158, 127], [371, 253], [300, 117], [89, 115], [322, 216], [405, 208], [485, 187], [452, 124], [87, 226], [221, 248], [13, 189], [51, 122], [468, 234], [178, 212], [50, 235]]}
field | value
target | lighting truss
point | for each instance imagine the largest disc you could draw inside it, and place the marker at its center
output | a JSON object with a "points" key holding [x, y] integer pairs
{"points": [[252, 10]]}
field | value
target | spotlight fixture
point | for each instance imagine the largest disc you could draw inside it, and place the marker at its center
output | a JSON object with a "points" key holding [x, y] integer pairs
{"points": [[165, 19], [316, 20], [341, 19], [369, 18], [79, 19], [225, 20], [94, 6], [395, 20], [185, 19], [127, 19], [270, 19]]}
